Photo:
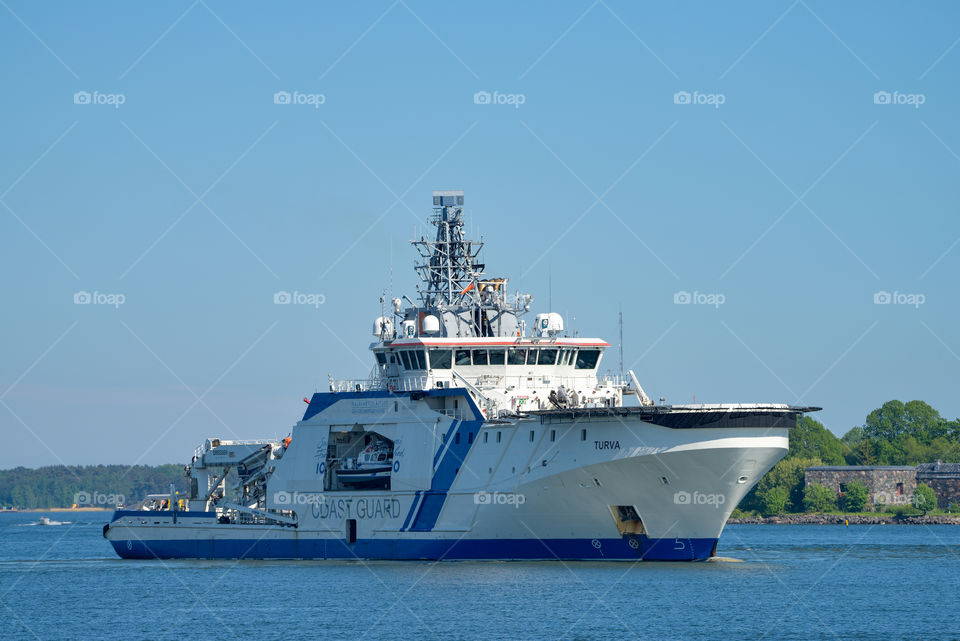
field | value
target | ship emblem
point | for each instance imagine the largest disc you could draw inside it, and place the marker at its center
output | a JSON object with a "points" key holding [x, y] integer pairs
{"points": [[595, 543]]}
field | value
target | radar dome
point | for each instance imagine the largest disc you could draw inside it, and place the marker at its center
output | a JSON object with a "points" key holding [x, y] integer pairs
{"points": [[549, 324], [383, 326], [431, 324]]}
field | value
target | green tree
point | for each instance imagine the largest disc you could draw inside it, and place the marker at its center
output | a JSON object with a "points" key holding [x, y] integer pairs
{"points": [[855, 497], [787, 474], [819, 498], [857, 449], [924, 498], [810, 439], [896, 419], [774, 500], [55, 486]]}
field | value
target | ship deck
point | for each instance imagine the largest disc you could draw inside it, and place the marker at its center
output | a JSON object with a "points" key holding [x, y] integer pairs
{"points": [[687, 416]]}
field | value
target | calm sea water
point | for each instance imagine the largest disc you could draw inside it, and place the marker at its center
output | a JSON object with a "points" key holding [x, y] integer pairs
{"points": [[795, 582]]}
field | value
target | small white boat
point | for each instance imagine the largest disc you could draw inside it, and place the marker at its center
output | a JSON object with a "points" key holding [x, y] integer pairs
{"points": [[372, 466], [46, 521]]}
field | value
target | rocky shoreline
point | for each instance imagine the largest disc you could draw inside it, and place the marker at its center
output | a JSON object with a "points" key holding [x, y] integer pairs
{"points": [[842, 519]]}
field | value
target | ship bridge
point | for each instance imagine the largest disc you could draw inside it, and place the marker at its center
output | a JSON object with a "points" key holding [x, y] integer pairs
{"points": [[467, 332]]}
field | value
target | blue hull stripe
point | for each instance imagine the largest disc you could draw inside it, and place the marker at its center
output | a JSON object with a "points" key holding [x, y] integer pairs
{"points": [[413, 507], [445, 473], [423, 549], [446, 441]]}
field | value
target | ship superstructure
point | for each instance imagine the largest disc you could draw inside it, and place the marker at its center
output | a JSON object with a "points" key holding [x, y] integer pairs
{"points": [[474, 437]]}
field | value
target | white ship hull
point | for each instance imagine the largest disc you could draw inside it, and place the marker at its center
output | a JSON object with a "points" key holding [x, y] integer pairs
{"points": [[516, 499]]}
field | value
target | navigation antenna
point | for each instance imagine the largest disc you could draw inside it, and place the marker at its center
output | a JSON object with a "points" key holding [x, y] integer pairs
{"points": [[621, 340], [450, 266]]}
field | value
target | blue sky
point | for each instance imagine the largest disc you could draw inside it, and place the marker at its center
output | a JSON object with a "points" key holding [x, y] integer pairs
{"points": [[785, 185]]}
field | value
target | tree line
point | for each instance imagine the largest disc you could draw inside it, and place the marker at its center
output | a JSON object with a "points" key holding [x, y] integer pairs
{"points": [[895, 434], [97, 485]]}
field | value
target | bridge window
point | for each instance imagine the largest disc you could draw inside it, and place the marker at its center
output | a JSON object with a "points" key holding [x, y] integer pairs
{"points": [[587, 358], [516, 356], [548, 357], [486, 436], [440, 358], [498, 437], [462, 357], [419, 359], [381, 358], [532, 356], [405, 357], [479, 357], [496, 356]]}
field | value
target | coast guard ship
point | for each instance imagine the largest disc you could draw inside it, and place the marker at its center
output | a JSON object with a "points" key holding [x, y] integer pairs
{"points": [[475, 437]]}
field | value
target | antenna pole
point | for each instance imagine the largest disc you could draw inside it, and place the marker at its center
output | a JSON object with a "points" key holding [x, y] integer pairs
{"points": [[621, 340]]}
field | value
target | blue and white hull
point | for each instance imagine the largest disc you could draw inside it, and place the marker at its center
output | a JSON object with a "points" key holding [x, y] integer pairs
{"points": [[545, 487]]}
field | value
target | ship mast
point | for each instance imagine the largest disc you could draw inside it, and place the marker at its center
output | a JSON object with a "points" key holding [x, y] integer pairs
{"points": [[449, 266]]}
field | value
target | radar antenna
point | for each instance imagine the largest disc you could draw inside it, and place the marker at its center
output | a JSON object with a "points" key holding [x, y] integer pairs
{"points": [[450, 267]]}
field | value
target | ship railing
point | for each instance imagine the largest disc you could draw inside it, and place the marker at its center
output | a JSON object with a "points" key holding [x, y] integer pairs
{"points": [[399, 384], [202, 449], [356, 385], [458, 414], [551, 381]]}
